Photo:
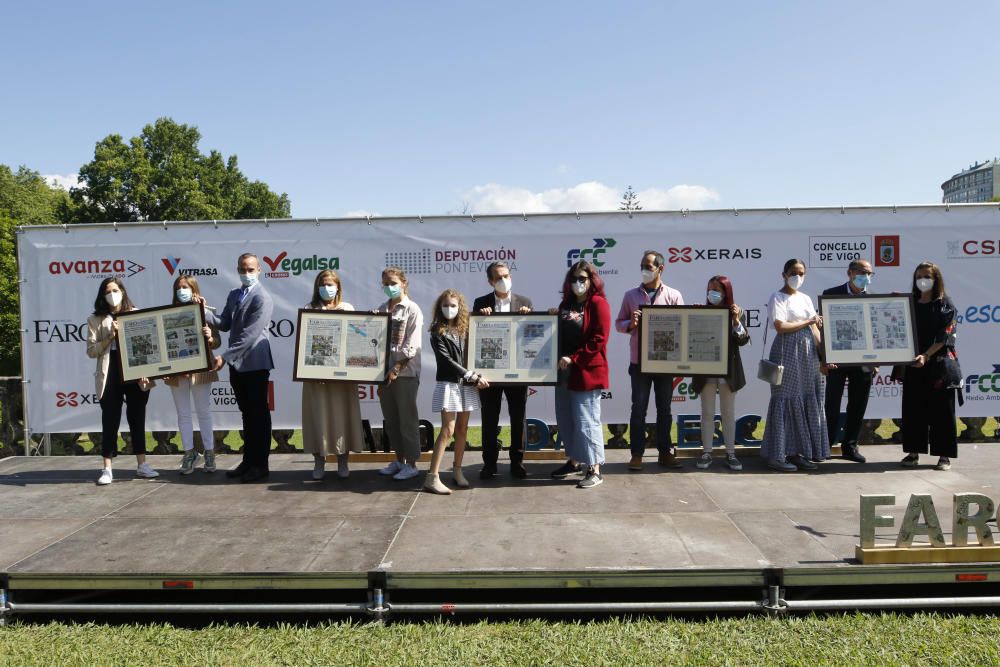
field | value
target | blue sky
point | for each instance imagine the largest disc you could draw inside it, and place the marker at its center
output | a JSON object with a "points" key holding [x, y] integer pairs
{"points": [[401, 108]]}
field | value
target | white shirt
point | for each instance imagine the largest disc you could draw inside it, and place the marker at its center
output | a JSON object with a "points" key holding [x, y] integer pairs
{"points": [[502, 305], [790, 308]]}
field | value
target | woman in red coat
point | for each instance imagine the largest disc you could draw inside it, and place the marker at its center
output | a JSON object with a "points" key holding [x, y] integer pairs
{"points": [[584, 323]]}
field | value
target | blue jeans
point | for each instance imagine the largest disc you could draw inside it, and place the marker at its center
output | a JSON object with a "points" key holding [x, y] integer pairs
{"points": [[663, 385], [578, 416]]}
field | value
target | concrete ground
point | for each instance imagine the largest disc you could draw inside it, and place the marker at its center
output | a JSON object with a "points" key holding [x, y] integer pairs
{"points": [[56, 520]]}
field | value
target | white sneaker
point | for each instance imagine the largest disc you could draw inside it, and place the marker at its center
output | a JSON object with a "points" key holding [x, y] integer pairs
{"points": [[146, 471], [319, 467], [391, 469], [406, 472], [105, 478], [343, 470]]}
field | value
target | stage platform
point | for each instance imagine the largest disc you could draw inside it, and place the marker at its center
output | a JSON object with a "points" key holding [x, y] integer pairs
{"points": [[656, 540]]}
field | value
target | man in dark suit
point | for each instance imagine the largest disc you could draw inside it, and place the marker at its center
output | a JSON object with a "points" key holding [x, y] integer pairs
{"points": [[247, 316], [858, 378], [502, 300]]}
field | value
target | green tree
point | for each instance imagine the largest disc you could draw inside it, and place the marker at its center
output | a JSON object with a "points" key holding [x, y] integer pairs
{"points": [[162, 175], [630, 201], [25, 199]]}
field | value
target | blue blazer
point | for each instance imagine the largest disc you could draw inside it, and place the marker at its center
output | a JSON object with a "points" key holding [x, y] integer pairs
{"points": [[247, 323]]}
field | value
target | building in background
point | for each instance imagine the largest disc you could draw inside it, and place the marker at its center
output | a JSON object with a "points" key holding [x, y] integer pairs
{"points": [[980, 182]]}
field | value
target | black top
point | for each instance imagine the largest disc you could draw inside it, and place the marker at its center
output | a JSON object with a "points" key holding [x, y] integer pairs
{"points": [[935, 324], [449, 353], [570, 328]]}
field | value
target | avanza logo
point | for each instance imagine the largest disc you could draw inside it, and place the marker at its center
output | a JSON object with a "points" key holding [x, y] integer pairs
{"points": [[688, 254], [172, 264], [283, 266], [96, 268]]}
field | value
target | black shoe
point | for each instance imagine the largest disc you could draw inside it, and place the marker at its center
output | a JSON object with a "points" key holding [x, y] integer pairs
{"points": [[518, 471], [237, 471], [852, 454], [254, 473], [802, 463], [488, 471], [566, 469]]}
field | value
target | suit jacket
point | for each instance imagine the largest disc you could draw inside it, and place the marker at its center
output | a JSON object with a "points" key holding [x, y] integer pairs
{"points": [[839, 289], [736, 378], [489, 301], [99, 337], [247, 323]]}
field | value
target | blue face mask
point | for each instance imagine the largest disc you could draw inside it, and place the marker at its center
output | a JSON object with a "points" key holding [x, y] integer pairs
{"points": [[248, 279], [392, 291], [862, 281], [184, 294], [328, 292], [714, 297]]}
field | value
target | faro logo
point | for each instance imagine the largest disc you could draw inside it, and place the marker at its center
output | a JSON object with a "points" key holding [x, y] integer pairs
{"points": [[592, 255], [283, 328], [172, 264], [96, 268], [294, 266], [688, 254], [984, 387]]}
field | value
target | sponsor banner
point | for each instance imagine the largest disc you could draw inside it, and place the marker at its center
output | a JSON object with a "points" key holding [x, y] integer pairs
{"points": [[61, 269]]}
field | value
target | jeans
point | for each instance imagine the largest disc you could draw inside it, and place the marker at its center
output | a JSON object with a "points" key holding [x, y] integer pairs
{"points": [[202, 394], [578, 416], [663, 385]]}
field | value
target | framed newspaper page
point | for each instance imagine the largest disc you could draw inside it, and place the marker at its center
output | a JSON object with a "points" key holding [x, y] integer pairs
{"points": [[687, 341], [514, 348], [868, 329], [162, 341], [342, 346]]}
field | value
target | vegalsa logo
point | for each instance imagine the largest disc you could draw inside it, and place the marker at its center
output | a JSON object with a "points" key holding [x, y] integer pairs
{"points": [[688, 254], [171, 264], [283, 266], [96, 268], [974, 249], [593, 254], [985, 387]]}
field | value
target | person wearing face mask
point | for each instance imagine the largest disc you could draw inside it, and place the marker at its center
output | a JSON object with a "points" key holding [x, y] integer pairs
{"points": [[196, 386], [455, 395], [720, 293], [398, 396], [584, 325], [929, 390], [102, 328], [247, 316], [331, 411], [651, 291], [858, 378], [795, 434], [503, 300]]}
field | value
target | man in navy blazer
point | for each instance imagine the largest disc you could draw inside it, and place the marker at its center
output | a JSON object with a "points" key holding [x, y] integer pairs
{"points": [[247, 317], [858, 378]]}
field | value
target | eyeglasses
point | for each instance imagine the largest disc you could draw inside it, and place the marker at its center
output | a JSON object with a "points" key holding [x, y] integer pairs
{"points": [[580, 280]]}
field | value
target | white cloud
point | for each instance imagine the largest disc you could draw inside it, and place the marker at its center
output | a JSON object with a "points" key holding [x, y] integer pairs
{"points": [[65, 182], [361, 213], [589, 196]]}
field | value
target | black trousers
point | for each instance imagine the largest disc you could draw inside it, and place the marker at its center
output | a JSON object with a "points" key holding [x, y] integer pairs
{"points": [[859, 384], [928, 415], [489, 400], [250, 389], [115, 393]]}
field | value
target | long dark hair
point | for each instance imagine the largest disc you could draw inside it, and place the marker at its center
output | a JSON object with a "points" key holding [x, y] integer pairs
{"points": [[101, 305], [596, 283], [938, 289], [727, 289]]}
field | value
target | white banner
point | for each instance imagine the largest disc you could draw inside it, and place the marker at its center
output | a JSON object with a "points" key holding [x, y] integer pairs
{"points": [[62, 267]]}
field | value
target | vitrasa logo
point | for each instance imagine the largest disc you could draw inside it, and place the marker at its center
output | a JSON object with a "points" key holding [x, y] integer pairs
{"points": [[689, 254], [96, 268], [172, 264], [283, 266], [74, 399], [595, 255], [985, 387], [974, 249]]}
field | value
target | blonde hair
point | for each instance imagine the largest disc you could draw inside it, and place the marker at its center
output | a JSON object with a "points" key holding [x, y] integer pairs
{"points": [[399, 273], [191, 281], [317, 302], [439, 325]]}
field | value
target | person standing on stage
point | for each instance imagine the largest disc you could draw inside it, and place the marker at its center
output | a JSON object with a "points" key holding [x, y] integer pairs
{"points": [[102, 328], [932, 383], [502, 300], [247, 316], [651, 291], [858, 378], [331, 411], [398, 396], [196, 386]]}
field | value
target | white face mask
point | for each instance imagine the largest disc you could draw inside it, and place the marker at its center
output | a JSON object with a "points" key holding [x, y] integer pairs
{"points": [[114, 299], [328, 292], [449, 312], [580, 289], [503, 285], [714, 297], [648, 276], [925, 284], [183, 294], [795, 282]]}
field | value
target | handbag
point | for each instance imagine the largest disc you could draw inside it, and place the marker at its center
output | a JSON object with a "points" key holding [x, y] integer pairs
{"points": [[769, 371]]}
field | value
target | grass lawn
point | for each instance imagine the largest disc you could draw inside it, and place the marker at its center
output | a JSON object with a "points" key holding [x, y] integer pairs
{"points": [[858, 639]]}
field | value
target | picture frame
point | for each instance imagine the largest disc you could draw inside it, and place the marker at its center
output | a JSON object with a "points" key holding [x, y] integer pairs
{"points": [[514, 348], [868, 329], [685, 341], [341, 346], [162, 342]]}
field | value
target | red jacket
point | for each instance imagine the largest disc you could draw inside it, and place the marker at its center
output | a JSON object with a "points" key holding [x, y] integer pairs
{"points": [[589, 370]]}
